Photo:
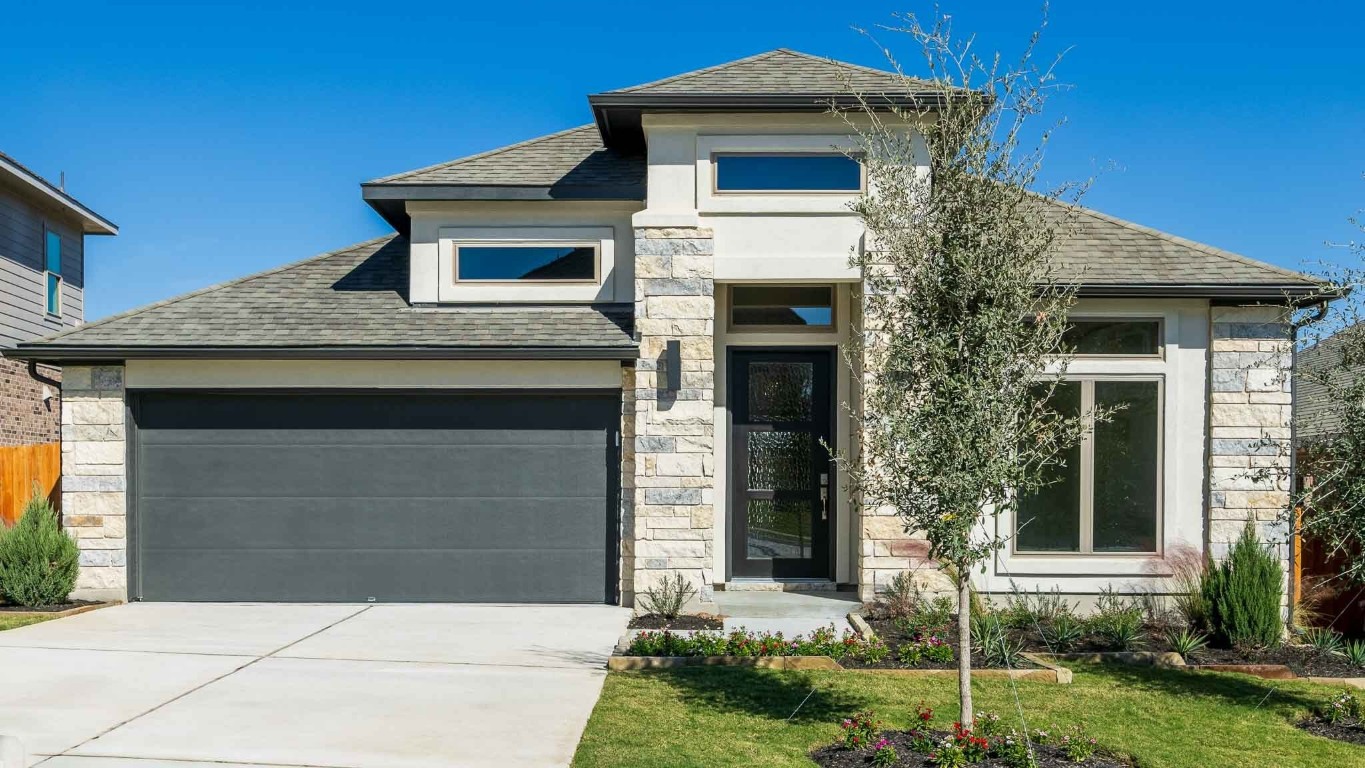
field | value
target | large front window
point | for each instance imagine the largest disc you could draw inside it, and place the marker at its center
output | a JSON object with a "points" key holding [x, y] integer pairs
{"points": [[1104, 496]]}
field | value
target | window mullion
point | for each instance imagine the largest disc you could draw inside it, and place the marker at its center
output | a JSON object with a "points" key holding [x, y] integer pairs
{"points": [[1087, 510]]}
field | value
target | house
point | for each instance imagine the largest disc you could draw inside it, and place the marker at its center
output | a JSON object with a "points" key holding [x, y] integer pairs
{"points": [[588, 360], [42, 286]]}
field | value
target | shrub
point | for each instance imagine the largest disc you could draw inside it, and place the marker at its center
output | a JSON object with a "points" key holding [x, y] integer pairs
{"points": [[1186, 641], [901, 598], [1354, 651], [38, 561], [1243, 594], [1063, 634], [1322, 640], [1030, 611], [821, 642], [1345, 706], [1188, 570], [667, 597], [930, 648], [1117, 621]]}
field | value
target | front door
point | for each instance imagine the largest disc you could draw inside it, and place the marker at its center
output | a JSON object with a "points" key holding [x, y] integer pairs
{"points": [[780, 473]]}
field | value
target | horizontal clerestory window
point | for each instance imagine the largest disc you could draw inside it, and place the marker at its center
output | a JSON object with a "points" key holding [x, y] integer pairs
{"points": [[575, 262], [787, 172], [1105, 496], [781, 307]]}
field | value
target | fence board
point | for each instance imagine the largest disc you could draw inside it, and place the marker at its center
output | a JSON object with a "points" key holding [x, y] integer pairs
{"points": [[24, 468]]}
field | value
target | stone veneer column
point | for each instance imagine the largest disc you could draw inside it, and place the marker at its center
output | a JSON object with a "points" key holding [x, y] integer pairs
{"points": [[669, 526], [1250, 405], [93, 478]]}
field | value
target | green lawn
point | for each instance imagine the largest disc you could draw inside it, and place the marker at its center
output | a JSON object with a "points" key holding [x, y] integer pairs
{"points": [[711, 716], [12, 622]]}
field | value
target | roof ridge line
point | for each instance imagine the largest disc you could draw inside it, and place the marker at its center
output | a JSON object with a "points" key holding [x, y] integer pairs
{"points": [[851, 65], [478, 155], [211, 289], [703, 70], [1195, 244]]}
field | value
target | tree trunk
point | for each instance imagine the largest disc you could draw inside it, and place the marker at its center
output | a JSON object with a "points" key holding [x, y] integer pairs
{"points": [[964, 644]]}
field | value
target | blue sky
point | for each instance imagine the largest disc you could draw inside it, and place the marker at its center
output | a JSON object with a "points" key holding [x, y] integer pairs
{"points": [[227, 138]]}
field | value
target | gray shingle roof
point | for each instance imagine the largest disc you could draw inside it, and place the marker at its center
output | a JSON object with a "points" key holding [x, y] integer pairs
{"points": [[1314, 411], [575, 157], [1101, 250], [354, 297], [782, 71]]}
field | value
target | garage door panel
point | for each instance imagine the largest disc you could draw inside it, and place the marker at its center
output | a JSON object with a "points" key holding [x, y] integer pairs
{"points": [[343, 496], [420, 576], [386, 471], [351, 523]]}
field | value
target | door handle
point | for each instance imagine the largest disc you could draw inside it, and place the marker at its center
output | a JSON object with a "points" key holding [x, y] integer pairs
{"points": [[824, 496]]}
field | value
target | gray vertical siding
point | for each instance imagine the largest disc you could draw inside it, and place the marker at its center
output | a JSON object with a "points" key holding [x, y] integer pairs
{"points": [[22, 311]]}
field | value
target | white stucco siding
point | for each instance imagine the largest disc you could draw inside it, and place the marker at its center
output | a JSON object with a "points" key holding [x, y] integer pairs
{"points": [[378, 374], [1182, 370], [437, 225]]}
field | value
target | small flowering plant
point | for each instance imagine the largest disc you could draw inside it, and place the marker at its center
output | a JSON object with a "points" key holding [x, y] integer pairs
{"points": [[861, 731], [1077, 745], [1014, 751], [1343, 707], [883, 753], [987, 724], [947, 754], [923, 714], [931, 648], [975, 748]]}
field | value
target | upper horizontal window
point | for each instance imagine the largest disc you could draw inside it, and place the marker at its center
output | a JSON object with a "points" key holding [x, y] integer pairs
{"points": [[790, 172], [809, 306], [531, 263], [1114, 337]]}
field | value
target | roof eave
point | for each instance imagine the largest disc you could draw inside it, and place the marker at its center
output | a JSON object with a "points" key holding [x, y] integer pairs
{"points": [[1299, 294], [56, 353], [618, 114], [91, 223], [389, 199]]}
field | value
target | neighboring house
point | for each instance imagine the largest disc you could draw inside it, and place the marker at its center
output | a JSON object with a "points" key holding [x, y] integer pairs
{"points": [[42, 286], [588, 360]]}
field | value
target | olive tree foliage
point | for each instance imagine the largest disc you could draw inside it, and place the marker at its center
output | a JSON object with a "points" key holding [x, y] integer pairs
{"points": [[960, 345], [1330, 378]]}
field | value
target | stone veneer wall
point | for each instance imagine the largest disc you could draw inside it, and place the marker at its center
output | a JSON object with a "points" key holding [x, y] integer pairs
{"points": [[668, 518], [94, 455], [1250, 356]]}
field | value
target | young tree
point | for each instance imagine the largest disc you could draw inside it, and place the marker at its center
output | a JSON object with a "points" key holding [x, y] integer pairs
{"points": [[961, 344], [1329, 417]]}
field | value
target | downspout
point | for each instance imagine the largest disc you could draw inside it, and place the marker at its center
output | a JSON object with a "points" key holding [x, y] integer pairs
{"points": [[33, 371]]}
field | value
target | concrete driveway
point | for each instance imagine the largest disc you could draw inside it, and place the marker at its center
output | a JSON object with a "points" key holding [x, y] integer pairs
{"points": [[306, 685]]}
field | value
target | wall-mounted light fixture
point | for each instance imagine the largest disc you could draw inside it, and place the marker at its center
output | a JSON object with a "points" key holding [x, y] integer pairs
{"points": [[673, 365]]}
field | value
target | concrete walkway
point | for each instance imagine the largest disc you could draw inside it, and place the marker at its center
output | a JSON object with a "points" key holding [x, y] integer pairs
{"points": [[791, 613], [321, 686]]}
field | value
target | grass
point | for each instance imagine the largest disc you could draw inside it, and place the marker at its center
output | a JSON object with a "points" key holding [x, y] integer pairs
{"points": [[14, 622], [712, 716]]}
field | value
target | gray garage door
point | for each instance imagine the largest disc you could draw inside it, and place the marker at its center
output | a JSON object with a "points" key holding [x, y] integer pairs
{"points": [[388, 497]]}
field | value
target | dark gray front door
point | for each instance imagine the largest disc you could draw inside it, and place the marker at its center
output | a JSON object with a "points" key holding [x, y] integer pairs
{"points": [[412, 496], [781, 410]]}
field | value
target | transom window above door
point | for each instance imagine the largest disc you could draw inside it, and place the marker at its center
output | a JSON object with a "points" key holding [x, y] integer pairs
{"points": [[814, 172], [781, 307]]}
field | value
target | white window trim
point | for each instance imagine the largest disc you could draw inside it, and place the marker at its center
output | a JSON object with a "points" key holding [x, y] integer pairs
{"points": [[47, 274], [526, 291], [711, 201]]}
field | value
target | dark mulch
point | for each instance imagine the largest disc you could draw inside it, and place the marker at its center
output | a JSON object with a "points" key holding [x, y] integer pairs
{"points": [[687, 621], [835, 756], [1305, 661], [894, 637], [1351, 733], [7, 608]]}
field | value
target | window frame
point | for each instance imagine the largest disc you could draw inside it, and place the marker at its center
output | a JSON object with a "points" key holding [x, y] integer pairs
{"points": [[456, 245], [1087, 477], [1159, 321], [48, 274], [716, 155], [733, 328]]}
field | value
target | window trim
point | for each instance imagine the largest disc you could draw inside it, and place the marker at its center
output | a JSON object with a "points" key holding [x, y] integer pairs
{"points": [[1159, 320], [1087, 511], [456, 245], [733, 328], [716, 191], [48, 233]]}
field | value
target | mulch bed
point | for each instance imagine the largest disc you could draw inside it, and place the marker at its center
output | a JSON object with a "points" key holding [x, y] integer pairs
{"points": [[7, 608], [1352, 733], [689, 621], [835, 756], [1304, 661], [894, 637]]}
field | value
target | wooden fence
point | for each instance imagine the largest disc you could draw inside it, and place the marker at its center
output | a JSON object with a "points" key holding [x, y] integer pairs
{"points": [[24, 469]]}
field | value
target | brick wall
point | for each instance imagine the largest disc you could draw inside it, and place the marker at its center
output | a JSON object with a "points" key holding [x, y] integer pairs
{"points": [[25, 418]]}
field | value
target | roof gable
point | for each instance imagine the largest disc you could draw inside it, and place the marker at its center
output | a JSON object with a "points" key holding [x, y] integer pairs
{"points": [[781, 71]]}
